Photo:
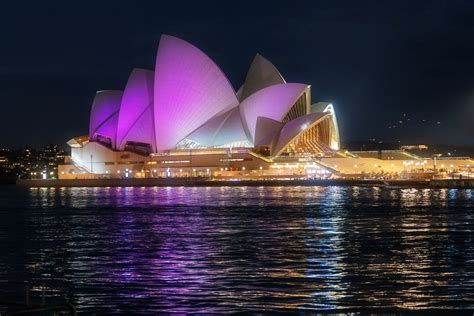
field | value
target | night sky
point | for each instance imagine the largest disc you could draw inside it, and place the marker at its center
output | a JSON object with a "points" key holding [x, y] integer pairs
{"points": [[380, 63]]}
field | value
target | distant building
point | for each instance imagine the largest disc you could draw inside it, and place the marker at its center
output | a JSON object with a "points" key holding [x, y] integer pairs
{"points": [[414, 147]]}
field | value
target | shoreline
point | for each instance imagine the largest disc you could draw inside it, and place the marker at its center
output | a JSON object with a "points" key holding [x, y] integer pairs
{"points": [[200, 182]]}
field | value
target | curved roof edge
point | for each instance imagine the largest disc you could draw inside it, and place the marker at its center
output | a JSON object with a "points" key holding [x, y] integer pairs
{"points": [[320, 107], [328, 107], [225, 128], [267, 131], [261, 74], [238, 94], [185, 79], [205, 134], [104, 112], [232, 130], [294, 128], [136, 101], [272, 102]]}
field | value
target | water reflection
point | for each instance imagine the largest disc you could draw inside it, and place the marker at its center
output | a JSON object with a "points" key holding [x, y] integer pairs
{"points": [[224, 249]]}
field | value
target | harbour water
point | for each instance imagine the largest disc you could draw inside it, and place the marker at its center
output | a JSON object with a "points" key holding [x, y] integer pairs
{"points": [[224, 249]]}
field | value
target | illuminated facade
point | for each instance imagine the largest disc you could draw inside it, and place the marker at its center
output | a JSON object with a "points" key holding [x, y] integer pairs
{"points": [[187, 108]]}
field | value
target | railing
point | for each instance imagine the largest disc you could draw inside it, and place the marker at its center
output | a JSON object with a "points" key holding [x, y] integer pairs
{"points": [[453, 158]]}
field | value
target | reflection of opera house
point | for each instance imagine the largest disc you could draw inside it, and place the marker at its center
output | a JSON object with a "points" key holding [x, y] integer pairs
{"points": [[186, 119]]}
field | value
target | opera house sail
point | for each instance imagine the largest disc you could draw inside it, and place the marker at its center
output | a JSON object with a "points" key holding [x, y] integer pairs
{"points": [[186, 115]]}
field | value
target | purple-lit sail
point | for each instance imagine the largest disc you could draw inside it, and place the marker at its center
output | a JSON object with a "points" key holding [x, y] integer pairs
{"points": [[205, 134], [232, 132], [262, 73], [223, 129], [272, 102], [189, 90], [104, 115], [266, 131], [135, 122]]}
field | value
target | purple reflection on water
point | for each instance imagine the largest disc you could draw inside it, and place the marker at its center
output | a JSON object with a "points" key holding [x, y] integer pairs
{"points": [[288, 249]]}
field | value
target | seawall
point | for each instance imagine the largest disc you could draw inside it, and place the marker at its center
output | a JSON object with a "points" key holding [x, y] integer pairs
{"points": [[164, 182]]}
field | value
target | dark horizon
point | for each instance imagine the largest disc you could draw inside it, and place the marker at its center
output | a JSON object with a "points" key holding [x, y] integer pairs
{"points": [[379, 64]]}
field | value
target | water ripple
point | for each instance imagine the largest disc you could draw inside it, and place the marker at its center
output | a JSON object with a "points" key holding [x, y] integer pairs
{"points": [[214, 250]]}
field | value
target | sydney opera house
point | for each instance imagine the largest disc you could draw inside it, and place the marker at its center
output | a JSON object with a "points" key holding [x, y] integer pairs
{"points": [[186, 119]]}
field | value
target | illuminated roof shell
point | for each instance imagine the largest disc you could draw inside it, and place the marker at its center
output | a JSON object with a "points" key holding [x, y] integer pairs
{"points": [[328, 107], [135, 121], [104, 114], [271, 102], [262, 73], [223, 129], [189, 90], [294, 128]]}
